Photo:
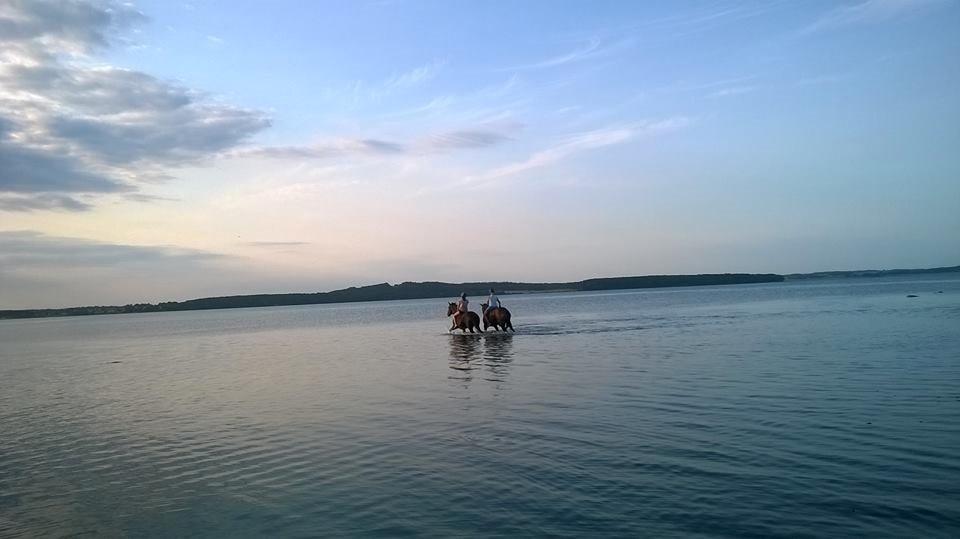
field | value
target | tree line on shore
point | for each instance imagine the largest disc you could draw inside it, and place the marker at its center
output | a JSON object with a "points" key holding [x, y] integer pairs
{"points": [[434, 289], [408, 290]]}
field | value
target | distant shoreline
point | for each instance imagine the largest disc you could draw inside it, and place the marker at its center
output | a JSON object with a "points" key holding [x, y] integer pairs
{"points": [[429, 290]]}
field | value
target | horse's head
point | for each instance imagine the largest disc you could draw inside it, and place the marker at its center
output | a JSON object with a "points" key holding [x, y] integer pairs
{"points": [[451, 308], [483, 306]]}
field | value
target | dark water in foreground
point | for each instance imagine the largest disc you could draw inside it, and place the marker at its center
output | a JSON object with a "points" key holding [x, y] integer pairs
{"points": [[812, 409]]}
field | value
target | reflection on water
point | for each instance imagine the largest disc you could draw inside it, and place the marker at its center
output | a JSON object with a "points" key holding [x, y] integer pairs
{"points": [[464, 349], [493, 352], [497, 355], [498, 347]]}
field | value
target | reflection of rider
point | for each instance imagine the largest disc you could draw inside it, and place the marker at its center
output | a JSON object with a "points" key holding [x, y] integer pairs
{"points": [[493, 301], [461, 308]]}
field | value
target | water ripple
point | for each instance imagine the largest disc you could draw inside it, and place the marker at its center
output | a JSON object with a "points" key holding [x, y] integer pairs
{"points": [[765, 411]]}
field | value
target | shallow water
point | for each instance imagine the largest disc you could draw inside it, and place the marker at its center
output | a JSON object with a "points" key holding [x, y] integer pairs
{"points": [[811, 409]]}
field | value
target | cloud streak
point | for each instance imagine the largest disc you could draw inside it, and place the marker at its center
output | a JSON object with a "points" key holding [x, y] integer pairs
{"points": [[589, 50], [360, 91], [578, 143], [274, 244], [869, 12], [41, 270], [414, 77], [42, 202], [25, 169], [462, 139], [26, 249], [733, 91]]}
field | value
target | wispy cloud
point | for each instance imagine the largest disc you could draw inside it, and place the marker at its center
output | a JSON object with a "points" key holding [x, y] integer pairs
{"points": [[577, 143], [732, 91], [704, 17], [40, 270], [821, 79], [466, 138], [726, 87], [273, 244], [360, 91], [479, 137], [326, 149], [869, 12], [143, 197], [414, 77], [714, 85], [591, 49], [24, 249], [43, 201], [485, 104], [587, 50]]}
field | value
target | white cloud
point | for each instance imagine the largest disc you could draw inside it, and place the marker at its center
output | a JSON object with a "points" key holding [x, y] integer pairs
{"points": [[591, 49], [45, 201], [869, 12], [68, 126], [327, 149], [578, 143], [414, 77], [359, 91], [459, 139], [732, 91]]}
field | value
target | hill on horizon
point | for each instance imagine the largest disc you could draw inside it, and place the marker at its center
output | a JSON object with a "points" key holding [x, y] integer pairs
{"points": [[438, 289]]}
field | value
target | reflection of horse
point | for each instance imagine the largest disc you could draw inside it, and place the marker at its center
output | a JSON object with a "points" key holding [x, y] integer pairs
{"points": [[497, 356], [498, 347], [498, 317], [469, 320], [465, 348]]}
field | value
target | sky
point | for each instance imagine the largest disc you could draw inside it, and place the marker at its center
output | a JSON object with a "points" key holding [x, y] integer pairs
{"points": [[166, 150]]}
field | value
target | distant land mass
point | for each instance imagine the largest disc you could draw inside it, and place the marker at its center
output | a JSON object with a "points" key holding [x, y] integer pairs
{"points": [[869, 273], [408, 290], [432, 289]]}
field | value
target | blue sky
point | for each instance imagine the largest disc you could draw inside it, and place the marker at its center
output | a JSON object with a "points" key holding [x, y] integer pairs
{"points": [[273, 146]]}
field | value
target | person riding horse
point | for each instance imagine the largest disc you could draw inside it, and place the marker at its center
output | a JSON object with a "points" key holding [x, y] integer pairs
{"points": [[462, 305], [495, 314], [493, 301], [463, 319]]}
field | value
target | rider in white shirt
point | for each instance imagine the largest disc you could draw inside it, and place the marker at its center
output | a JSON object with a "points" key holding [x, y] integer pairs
{"points": [[493, 301]]}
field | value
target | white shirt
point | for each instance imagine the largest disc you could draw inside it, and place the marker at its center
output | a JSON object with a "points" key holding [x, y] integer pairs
{"points": [[494, 301]]}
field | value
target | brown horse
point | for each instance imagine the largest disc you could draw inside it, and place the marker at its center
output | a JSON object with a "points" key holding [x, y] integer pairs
{"points": [[498, 317], [469, 320]]}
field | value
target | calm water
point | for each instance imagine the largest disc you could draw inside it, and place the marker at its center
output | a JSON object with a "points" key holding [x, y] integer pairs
{"points": [[812, 409]]}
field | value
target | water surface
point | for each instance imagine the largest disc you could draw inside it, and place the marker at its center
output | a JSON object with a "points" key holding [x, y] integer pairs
{"points": [[827, 408]]}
